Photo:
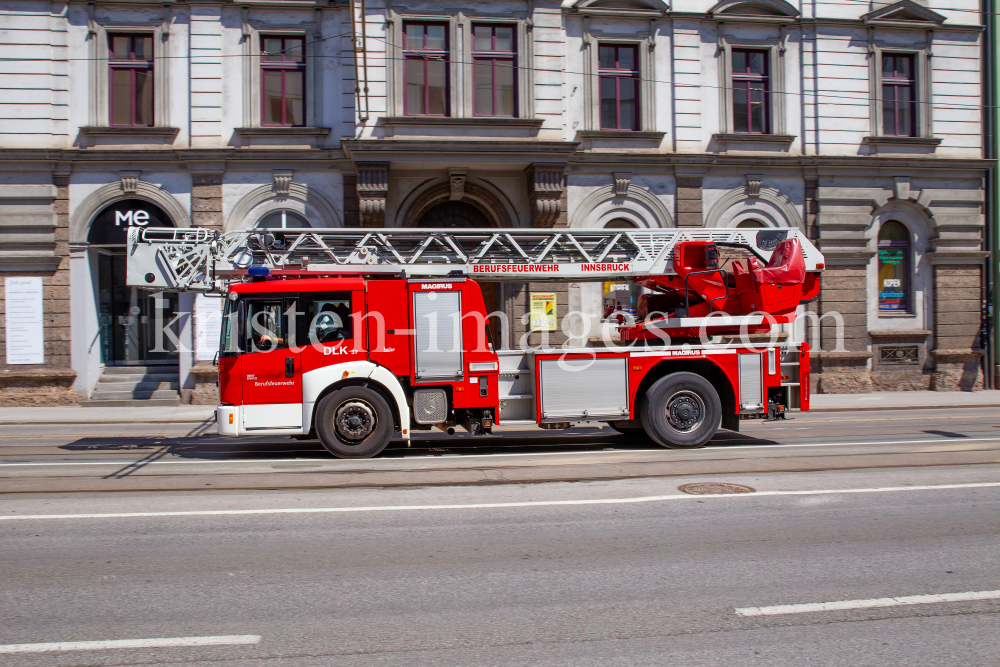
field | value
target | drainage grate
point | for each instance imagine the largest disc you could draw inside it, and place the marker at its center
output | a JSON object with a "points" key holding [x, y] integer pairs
{"points": [[713, 488]]}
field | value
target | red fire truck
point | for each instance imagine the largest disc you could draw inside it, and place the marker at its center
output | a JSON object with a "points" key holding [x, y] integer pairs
{"points": [[354, 336]]}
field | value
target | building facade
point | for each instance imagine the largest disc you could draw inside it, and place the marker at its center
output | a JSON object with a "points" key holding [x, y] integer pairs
{"points": [[858, 122]]}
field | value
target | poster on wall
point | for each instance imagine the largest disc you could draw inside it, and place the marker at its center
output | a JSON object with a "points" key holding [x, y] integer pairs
{"points": [[25, 328], [543, 311], [207, 326]]}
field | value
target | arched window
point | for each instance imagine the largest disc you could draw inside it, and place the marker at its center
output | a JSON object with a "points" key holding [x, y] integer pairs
{"points": [[750, 223], [620, 223], [283, 220], [894, 283], [454, 214]]}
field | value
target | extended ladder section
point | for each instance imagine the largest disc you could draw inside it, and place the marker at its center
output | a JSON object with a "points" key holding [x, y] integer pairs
{"points": [[203, 260]]}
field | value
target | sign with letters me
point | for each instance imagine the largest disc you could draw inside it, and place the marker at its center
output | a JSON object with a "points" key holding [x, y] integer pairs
{"points": [[111, 225]]}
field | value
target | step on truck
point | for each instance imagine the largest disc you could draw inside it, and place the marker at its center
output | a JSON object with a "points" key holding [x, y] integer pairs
{"points": [[359, 336]]}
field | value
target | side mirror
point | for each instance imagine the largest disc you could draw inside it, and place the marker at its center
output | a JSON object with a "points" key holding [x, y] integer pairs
{"points": [[215, 359]]}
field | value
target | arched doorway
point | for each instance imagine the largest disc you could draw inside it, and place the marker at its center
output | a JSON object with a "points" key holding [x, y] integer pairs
{"points": [[454, 214], [751, 223], [463, 215], [134, 325]]}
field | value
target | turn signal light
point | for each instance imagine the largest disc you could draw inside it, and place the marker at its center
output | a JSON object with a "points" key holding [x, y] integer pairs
{"points": [[230, 417]]}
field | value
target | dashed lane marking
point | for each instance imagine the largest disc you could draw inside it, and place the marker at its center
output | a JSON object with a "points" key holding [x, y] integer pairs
{"points": [[102, 645], [843, 605]]}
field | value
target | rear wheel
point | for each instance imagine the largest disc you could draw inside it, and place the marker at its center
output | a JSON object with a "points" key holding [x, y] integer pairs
{"points": [[354, 422], [681, 410]]}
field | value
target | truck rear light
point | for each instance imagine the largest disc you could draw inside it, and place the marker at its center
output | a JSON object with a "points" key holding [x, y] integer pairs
{"points": [[483, 366]]}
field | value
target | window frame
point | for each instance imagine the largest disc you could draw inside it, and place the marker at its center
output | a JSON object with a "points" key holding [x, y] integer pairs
{"points": [[132, 65], [899, 83], [283, 66], [735, 76], [426, 54], [253, 94], [616, 74], [646, 103], [493, 55], [774, 47], [99, 111], [923, 122], [907, 248]]}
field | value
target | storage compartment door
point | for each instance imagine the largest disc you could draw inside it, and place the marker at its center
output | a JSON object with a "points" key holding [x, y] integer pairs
{"points": [[579, 389], [751, 381], [437, 318]]}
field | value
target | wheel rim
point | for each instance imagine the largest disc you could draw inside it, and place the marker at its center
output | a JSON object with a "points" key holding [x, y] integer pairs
{"points": [[355, 420], [685, 411]]}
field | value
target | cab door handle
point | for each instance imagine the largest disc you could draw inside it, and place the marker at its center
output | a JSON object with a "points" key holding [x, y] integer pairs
{"points": [[289, 367]]}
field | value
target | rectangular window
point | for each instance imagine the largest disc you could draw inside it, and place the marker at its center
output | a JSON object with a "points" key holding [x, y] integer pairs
{"points": [[130, 59], [425, 52], [899, 95], [751, 91], [493, 63], [329, 318], [618, 71], [283, 71], [265, 325]]}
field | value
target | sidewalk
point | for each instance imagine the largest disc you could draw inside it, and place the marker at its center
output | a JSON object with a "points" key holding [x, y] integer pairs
{"points": [[904, 400], [889, 400]]}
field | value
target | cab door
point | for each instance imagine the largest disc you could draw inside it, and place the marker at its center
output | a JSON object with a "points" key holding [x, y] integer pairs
{"points": [[271, 365]]}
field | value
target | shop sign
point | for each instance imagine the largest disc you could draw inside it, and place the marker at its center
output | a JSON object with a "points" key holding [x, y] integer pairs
{"points": [[543, 311], [111, 225]]}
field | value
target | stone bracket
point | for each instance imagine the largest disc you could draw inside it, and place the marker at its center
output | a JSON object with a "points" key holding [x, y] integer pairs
{"points": [[373, 189], [546, 184], [282, 181]]}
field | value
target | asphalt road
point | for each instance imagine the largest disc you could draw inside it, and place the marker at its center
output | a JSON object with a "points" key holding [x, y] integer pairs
{"points": [[56, 458], [514, 574]]}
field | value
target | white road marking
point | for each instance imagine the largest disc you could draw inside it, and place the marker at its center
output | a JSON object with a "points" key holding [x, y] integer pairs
{"points": [[536, 503], [431, 457], [218, 640], [867, 604]]}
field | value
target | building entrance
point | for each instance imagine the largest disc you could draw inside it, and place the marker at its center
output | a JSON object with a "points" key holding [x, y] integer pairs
{"points": [[136, 326]]}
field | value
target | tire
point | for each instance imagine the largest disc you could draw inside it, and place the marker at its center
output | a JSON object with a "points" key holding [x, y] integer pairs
{"points": [[681, 410], [354, 422]]}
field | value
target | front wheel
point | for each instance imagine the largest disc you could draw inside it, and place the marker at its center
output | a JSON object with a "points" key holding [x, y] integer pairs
{"points": [[681, 410], [354, 422]]}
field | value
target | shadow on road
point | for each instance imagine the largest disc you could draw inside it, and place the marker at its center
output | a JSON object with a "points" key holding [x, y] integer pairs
{"points": [[211, 447]]}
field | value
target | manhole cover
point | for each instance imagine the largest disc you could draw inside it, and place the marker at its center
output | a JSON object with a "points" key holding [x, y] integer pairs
{"points": [[713, 488]]}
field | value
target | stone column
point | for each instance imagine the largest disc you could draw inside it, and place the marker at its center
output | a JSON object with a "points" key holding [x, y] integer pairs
{"points": [[206, 199], [40, 225], [689, 205], [841, 363], [958, 302], [199, 379]]}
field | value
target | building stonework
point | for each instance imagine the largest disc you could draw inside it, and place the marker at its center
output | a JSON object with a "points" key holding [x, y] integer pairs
{"points": [[755, 114]]}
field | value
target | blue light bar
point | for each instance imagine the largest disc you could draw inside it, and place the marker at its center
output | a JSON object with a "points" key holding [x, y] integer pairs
{"points": [[259, 271]]}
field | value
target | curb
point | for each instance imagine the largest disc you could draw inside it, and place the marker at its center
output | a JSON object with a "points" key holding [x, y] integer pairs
{"points": [[873, 408]]}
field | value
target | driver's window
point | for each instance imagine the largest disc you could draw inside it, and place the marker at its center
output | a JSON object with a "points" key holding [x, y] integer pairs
{"points": [[265, 325], [330, 318]]}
